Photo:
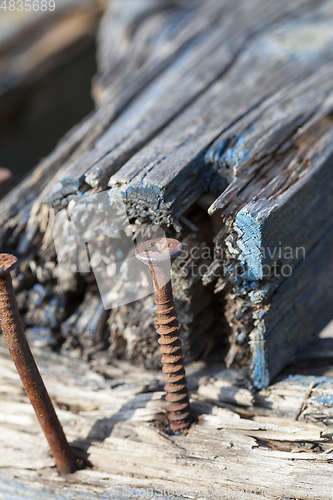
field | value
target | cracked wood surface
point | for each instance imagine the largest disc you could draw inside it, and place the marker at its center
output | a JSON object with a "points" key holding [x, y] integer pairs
{"points": [[242, 447], [235, 99], [216, 60], [188, 99]]}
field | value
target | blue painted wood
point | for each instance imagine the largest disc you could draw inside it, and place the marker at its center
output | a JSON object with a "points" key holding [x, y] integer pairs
{"points": [[290, 309]]}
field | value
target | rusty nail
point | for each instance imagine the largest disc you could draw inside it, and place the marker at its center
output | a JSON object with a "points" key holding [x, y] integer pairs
{"points": [[157, 254], [12, 329]]}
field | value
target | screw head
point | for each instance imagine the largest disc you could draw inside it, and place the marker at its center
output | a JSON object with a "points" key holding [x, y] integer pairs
{"points": [[158, 250], [8, 262]]}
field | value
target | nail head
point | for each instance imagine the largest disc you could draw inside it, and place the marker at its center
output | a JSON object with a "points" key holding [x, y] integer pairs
{"points": [[8, 262], [158, 250]]}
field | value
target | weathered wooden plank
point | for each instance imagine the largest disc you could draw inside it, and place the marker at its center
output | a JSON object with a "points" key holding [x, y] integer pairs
{"points": [[146, 37], [169, 173], [272, 141], [127, 137], [265, 98], [115, 424], [205, 60], [286, 244], [292, 309], [82, 138], [244, 444], [283, 171]]}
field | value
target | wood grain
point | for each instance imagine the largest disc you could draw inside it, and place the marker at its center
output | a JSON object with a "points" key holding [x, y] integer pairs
{"points": [[230, 100], [116, 426]]}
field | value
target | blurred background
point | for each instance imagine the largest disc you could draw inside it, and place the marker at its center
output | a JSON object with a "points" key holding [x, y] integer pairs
{"points": [[47, 62]]}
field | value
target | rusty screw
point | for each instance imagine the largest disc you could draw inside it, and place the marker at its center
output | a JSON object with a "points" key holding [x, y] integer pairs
{"points": [[157, 254], [12, 329]]}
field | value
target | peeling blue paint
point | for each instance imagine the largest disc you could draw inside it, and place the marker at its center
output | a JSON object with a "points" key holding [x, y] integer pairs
{"points": [[325, 400], [260, 372], [307, 379], [250, 242], [234, 155]]}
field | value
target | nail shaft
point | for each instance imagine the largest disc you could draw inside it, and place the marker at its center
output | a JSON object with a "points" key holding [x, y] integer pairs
{"points": [[158, 254], [12, 329]]}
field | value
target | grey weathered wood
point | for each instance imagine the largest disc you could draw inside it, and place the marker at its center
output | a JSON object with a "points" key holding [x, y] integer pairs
{"points": [[117, 425], [267, 149], [241, 94], [291, 229], [202, 63], [179, 150]]}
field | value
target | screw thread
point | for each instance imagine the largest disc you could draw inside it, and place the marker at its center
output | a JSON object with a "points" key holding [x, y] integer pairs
{"points": [[173, 366], [158, 254]]}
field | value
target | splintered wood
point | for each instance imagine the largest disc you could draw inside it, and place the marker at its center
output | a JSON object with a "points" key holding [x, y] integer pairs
{"points": [[242, 445], [215, 107]]}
